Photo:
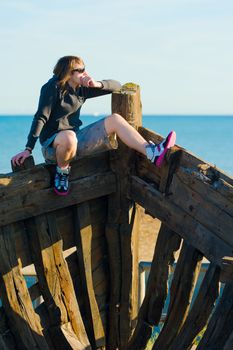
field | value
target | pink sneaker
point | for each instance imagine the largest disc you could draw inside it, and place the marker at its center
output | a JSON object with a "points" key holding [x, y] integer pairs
{"points": [[156, 153]]}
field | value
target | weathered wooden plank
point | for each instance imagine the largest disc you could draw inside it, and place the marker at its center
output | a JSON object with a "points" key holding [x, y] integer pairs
{"points": [[229, 343], [3, 345], [128, 104], [64, 219], [185, 276], [22, 248], [203, 185], [220, 326], [202, 209], [146, 170], [129, 286], [227, 269], [84, 237], [190, 160], [24, 181], [161, 177], [100, 272], [31, 178], [201, 309], [34, 291], [114, 257], [8, 341], [121, 233], [24, 322], [162, 207], [42, 201], [223, 187], [168, 170], [207, 169], [99, 275], [67, 289], [156, 292], [54, 279]]}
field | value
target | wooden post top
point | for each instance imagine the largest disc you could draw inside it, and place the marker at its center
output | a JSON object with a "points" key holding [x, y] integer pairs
{"points": [[127, 102]]}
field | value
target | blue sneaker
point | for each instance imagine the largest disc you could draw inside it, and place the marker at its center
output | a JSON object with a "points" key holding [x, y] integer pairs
{"points": [[61, 181]]}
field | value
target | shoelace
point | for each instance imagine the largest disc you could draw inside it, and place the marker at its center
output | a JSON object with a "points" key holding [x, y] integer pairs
{"points": [[156, 150], [63, 179]]}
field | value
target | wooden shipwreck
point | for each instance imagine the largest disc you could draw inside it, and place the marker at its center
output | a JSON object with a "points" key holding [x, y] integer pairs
{"points": [[83, 250]]}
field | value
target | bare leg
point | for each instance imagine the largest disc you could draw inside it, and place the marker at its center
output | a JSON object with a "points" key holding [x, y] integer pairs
{"points": [[65, 144], [131, 137]]}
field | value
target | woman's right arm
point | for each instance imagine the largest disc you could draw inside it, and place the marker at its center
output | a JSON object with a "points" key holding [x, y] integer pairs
{"points": [[48, 97]]}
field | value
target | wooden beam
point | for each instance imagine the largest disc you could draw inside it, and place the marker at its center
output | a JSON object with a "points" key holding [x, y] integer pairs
{"points": [[226, 269], [54, 280], [189, 160], [114, 259], [167, 244], [202, 207], [200, 311], [8, 340], [122, 229], [229, 343], [24, 322], [181, 292], [129, 286], [220, 196], [163, 207], [39, 177], [84, 236], [44, 201], [220, 326]]}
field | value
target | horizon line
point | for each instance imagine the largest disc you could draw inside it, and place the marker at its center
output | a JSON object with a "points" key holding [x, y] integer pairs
{"points": [[143, 114]]}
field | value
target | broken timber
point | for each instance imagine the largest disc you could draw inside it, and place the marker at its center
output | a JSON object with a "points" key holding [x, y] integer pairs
{"points": [[83, 250]]}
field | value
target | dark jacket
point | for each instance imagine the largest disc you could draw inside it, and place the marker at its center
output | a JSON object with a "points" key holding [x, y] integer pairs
{"points": [[60, 110]]}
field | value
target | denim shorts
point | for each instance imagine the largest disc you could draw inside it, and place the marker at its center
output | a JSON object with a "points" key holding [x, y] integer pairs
{"points": [[91, 139]]}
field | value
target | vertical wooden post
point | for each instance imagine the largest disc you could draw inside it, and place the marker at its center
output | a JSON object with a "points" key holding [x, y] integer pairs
{"points": [[83, 238], [122, 229], [181, 292], [218, 334]]}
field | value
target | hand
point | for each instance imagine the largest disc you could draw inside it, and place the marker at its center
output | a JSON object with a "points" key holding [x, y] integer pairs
{"points": [[19, 158], [88, 81]]}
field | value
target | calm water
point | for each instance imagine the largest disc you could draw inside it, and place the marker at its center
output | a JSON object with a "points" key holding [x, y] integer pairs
{"points": [[209, 137]]}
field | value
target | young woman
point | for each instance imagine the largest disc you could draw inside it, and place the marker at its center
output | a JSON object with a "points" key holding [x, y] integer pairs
{"points": [[57, 123]]}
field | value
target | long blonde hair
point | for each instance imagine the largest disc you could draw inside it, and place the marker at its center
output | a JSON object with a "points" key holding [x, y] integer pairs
{"points": [[64, 67]]}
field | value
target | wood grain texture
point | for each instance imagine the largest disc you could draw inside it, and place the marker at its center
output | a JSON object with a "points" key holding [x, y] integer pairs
{"points": [[84, 238], [181, 292], [177, 219], [220, 326], [54, 279], [201, 310], [167, 244], [21, 207], [24, 322], [122, 229]]}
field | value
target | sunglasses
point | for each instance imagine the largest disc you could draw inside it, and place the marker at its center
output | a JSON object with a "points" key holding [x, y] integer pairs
{"points": [[79, 70]]}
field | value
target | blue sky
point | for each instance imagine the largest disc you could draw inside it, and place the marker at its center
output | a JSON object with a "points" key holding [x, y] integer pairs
{"points": [[179, 51]]}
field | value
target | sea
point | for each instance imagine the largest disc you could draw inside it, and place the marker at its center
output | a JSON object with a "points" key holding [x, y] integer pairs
{"points": [[208, 137]]}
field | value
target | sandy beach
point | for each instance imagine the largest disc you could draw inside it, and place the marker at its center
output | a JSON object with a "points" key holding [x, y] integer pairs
{"points": [[149, 228]]}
